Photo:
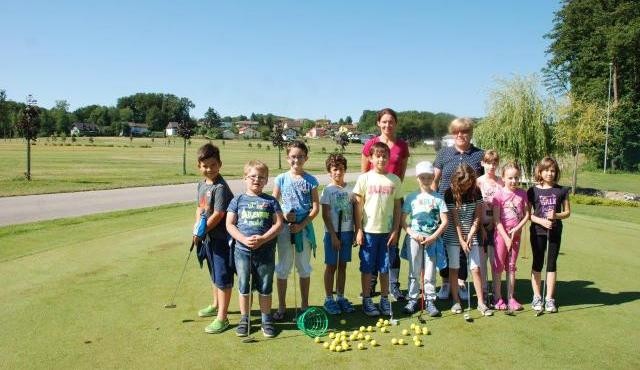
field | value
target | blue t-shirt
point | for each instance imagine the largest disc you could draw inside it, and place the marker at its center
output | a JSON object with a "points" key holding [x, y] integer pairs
{"points": [[254, 214], [424, 211], [296, 193]]}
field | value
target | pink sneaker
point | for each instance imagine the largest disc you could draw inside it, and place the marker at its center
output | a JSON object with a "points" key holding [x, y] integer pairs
{"points": [[515, 305], [500, 305]]}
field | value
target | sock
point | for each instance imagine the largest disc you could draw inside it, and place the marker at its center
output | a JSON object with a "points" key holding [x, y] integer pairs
{"points": [[340, 295], [265, 317], [329, 298], [244, 317]]}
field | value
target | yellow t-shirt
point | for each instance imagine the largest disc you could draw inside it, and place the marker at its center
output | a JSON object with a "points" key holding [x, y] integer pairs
{"points": [[379, 193]]}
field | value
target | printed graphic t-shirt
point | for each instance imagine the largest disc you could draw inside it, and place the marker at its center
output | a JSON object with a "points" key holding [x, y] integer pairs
{"points": [[339, 199], [254, 214], [215, 197], [296, 192], [379, 193], [543, 200], [424, 211]]}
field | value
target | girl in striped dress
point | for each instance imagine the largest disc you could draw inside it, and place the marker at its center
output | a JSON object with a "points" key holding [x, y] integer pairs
{"points": [[464, 201]]}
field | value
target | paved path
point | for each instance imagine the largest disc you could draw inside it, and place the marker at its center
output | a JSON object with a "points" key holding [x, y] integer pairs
{"points": [[31, 208]]}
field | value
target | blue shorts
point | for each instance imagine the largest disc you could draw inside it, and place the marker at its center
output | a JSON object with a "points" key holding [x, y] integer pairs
{"points": [[219, 258], [260, 263], [330, 255], [373, 254]]}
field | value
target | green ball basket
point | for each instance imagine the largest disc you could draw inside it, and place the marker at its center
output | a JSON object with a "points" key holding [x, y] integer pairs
{"points": [[313, 322]]}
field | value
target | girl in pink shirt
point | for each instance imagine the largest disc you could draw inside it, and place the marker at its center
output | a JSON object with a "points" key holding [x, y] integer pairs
{"points": [[510, 214]]}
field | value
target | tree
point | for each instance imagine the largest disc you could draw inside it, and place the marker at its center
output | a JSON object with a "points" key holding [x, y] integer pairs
{"points": [[579, 126], [342, 140], [587, 37], [61, 116], [278, 141], [185, 129], [518, 123], [212, 118], [28, 125], [4, 114], [348, 120]]}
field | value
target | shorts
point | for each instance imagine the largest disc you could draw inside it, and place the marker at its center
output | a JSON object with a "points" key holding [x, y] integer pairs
{"points": [[454, 253], [285, 255], [330, 255], [374, 256], [260, 263], [219, 257]]}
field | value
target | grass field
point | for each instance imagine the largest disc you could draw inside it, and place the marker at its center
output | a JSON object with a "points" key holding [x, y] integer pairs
{"points": [[118, 162], [89, 293]]}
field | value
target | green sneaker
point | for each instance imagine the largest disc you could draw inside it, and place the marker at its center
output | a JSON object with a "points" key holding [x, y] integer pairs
{"points": [[208, 311], [217, 326]]}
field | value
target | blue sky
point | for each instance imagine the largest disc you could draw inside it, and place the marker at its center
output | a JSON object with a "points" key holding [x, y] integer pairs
{"points": [[294, 58]]}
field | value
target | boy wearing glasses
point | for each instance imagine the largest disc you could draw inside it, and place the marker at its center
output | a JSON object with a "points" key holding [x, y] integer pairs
{"points": [[254, 220], [297, 191]]}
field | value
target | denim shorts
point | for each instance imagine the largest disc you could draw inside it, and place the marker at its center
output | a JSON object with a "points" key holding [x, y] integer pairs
{"points": [[373, 254], [330, 255], [219, 259], [261, 263]]}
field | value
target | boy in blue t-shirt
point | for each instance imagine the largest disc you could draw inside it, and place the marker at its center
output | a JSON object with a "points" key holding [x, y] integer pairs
{"points": [[427, 213], [254, 220], [298, 192], [337, 213], [214, 196]]}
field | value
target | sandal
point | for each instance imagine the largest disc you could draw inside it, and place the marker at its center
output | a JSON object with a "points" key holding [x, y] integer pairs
{"points": [[279, 316]]}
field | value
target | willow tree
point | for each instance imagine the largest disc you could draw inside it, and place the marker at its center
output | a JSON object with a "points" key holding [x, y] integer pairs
{"points": [[580, 125], [28, 125], [518, 123]]}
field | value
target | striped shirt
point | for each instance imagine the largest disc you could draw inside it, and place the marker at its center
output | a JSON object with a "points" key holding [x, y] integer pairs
{"points": [[449, 158], [466, 214]]}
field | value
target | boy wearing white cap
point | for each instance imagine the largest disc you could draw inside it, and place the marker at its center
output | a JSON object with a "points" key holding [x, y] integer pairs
{"points": [[424, 218]]}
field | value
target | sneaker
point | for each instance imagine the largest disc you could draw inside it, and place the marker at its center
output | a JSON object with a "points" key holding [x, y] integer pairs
{"points": [[411, 306], [515, 305], [208, 311], [331, 307], [550, 305], [456, 308], [484, 310], [268, 330], [432, 310], [345, 305], [385, 306], [369, 308], [443, 293], [242, 330], [396, 293], [217, 326], [500, 305], [463, 293], [536, 304]]}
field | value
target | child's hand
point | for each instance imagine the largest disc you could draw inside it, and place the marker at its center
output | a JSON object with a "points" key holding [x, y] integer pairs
{"points": [[393, 238], [427, 240], [483, 233], [546, 223], [360, 238], [295, 228], [465, 246], [335, 242], [251, 242]]}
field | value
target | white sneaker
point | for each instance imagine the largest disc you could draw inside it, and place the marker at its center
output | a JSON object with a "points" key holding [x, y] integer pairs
{"points": [[463, 293], [443, 293]]}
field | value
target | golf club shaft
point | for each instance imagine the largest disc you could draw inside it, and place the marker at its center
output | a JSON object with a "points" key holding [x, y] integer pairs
{"points": [[182, 274]]}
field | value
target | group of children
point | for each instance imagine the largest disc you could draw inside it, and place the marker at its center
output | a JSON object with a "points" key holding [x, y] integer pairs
{"points": [[246, 232]]}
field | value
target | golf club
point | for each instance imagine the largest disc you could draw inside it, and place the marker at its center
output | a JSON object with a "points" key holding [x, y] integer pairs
{"points": [[467, 315], [509, 311], [543, 278], [173, 304], [339, 232], [249, 338], [420, 317], [392, 321], [489, 284]]}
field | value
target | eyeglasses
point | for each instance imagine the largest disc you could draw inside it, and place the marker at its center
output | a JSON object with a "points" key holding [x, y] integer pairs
{"points": [[297, 157], [461, 132], [259, 178]]}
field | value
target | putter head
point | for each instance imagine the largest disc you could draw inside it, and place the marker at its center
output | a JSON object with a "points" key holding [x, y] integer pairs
{"points": [[539, 313], [393, 322], [467, 317], [249, 340], [170, 305]]}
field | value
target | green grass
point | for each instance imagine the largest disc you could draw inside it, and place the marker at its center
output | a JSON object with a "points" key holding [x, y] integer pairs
{"points": [[119, 162], [617, 181], [89, 293]]}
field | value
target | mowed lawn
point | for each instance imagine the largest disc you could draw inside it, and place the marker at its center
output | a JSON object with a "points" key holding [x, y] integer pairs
{"points": [[89, 293], [119, 162]]}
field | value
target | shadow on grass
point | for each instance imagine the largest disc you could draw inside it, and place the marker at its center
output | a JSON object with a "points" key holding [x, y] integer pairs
{"points": [[582, 292]]}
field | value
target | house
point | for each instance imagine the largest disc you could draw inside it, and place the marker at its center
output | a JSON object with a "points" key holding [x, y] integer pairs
{"points": [[317, 132], [225, 125], [171, 129], [84, 129], [448, 140], [289, 134], [292, 124], [228, 134], [252, 124], [248, 133], [136, 129]]}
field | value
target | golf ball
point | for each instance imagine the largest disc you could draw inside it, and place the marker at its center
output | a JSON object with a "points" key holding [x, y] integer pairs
{"points": [[344, 345], [401, 341], [343, 321], [343, 333], [362, 328], [317, 340], [383, 329], [425, 331], [394, 341], [405, 332], [332, 347], [385, 322], [367, 337], [373, 343], [417, 330], [360, 336], [381, 320], [360, 345], [417, 343], [353, 337], [338, 348], [369, 328], [332, 335], [326, 345], [412, 326], [378, 325], [415, 338]]}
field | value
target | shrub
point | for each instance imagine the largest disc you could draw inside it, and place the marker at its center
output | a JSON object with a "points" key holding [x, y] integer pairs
{"points": [[598, 201], [324, 150]]}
